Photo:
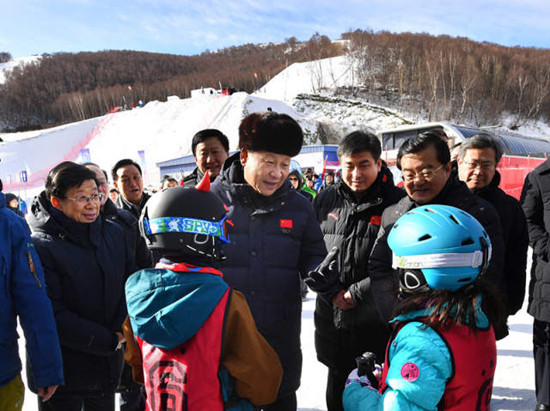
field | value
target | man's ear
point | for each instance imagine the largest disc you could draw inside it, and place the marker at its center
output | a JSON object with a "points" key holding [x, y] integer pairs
{"points": [[244, 156], [56, 202], [448, 167], [115, 183]]}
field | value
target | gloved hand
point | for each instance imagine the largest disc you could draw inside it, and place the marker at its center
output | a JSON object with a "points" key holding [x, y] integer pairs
{"points": [[364, 379], [325, 279]]}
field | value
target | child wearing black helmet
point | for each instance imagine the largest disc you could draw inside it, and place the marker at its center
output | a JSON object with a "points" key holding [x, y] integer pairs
{"points": [[442, 354], [195, 339]]}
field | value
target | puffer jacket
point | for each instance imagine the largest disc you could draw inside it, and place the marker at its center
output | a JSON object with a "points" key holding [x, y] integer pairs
{"points": [[516, 241], [23, 295], [273, 242], [351, 223], [535, 201], [455, 193], [129, 224], [85, 267]]}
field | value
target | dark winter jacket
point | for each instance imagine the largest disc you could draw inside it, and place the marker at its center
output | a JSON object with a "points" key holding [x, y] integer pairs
{"points": [[193, 179], [129, 224], [121, 202], [516, 241], [535, 201], [384, 281], [23, 295], [351, 223], [275, 240], [85, 266]]}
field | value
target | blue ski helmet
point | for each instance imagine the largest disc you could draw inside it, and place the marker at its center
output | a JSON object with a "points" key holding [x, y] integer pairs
{"points": [[438, 247]]}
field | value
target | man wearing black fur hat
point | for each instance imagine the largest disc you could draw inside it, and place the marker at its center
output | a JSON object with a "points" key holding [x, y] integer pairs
{"points": [[275, 239]]}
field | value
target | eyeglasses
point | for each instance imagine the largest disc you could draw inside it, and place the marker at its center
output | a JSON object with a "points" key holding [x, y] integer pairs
{"points": [[426, 174], [83, 200], [293, 179], [482, 165]]}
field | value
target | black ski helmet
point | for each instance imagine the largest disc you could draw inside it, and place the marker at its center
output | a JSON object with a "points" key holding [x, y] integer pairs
{"points": [[185, 221]]}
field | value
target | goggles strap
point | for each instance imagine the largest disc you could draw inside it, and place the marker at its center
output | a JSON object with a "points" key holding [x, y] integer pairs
{"points": [[475, 259]]}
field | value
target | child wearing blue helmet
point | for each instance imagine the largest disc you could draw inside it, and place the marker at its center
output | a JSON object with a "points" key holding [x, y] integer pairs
{"points": [[442, 353]]}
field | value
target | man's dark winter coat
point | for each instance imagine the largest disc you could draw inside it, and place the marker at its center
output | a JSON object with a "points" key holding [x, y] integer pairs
{"points": [[124, 204], [351, 223], [130, 226], [193, 179], [85, 267], [535, 201], [275, 240], [384, 281], [516, 241]]}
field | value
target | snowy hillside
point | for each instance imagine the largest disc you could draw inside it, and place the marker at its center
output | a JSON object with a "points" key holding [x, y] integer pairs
{"points": [[163, 130], [6, 68]]}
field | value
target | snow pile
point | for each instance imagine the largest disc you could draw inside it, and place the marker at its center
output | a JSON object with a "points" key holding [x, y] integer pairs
{"points": [[309, 78]]}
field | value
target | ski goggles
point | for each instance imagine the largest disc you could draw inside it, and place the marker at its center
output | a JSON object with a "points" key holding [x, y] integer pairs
{"points": [[186, 225]]}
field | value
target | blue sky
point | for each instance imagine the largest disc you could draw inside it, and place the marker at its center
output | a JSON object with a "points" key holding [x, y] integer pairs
{"points": [[187, 27]]}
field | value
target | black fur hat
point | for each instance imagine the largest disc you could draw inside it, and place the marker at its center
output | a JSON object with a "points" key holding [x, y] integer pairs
{"points": [[270, 131]]}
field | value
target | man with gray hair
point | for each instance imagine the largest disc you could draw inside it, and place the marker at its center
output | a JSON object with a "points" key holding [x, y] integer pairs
{"points": [[477, 161]]}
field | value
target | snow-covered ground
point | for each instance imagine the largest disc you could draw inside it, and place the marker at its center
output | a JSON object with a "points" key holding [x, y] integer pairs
{"points": [[513, 386]]}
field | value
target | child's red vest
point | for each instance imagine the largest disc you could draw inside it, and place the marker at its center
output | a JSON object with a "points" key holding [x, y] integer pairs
{"points": [[474, 357], [186, 377]]}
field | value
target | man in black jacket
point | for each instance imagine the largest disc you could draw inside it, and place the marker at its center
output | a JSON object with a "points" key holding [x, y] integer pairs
{"points": [[274, 239], [349, 213], [210, 148], [132, 394], [426, 168], [477, 161], [534, 201], [124, 218], [127, 178]]}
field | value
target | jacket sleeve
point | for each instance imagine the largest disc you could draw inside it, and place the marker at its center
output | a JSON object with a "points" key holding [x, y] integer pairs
{"points": [[516, 259], [34, 309], [415, 346], [383, 279], [75, 331], [489, 219], [531, 202], [248, 357], [132, 354]]}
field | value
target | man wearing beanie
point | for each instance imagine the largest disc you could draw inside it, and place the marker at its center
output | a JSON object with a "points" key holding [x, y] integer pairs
{"points": [[275, 239]]}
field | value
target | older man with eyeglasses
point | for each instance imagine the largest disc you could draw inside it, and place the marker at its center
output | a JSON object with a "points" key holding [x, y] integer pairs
{"points": [[477, 167], [425, 164]]}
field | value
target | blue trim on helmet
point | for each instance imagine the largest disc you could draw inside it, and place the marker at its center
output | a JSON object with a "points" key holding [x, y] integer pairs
{"points": [[164, 225]]}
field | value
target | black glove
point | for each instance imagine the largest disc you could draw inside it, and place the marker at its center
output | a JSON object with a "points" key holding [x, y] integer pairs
{"points": [[325, 279]]}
